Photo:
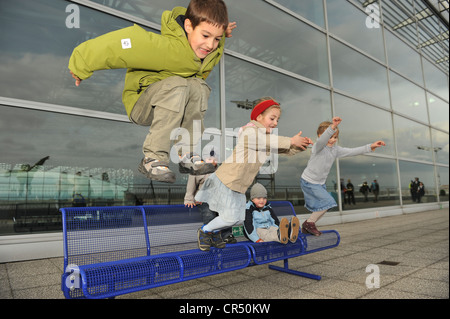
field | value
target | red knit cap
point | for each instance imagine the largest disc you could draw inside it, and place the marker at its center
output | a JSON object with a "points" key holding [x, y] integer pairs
{"points": [[261, 107]]}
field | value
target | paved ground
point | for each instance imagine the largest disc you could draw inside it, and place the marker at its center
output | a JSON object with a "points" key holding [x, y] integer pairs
{"points": [[411, 252]]}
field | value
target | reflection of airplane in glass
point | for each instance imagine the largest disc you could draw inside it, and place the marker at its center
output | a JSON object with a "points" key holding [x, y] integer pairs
{"points": [[247, 105], [427, 148]]}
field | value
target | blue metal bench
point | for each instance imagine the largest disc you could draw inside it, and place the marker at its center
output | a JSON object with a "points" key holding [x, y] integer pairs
{"points": [[110, 251]]}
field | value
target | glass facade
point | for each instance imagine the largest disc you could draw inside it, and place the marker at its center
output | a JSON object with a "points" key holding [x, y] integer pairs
{"points": [[365, 61]]}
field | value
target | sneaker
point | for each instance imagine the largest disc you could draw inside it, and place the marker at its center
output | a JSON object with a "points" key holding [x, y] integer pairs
{"points": [[194, 165], [295, 227], [217, 240], [310, 228], [283, 231], [158, 171], [230, 239], [204, 240]]}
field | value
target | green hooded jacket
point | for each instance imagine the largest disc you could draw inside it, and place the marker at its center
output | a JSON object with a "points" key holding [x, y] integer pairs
{"points": [[149, 57]]}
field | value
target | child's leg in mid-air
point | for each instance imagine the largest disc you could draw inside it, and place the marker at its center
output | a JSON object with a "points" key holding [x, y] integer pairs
{"points": [[163, 106], [309, 226]]}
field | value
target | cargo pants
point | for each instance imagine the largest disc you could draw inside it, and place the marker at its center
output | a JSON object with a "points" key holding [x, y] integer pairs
{"points": [[166, 106]]}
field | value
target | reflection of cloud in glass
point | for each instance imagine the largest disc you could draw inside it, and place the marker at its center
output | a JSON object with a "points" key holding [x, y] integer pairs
{"points": [[358, 75], [69, 140], [408, 98], [48, 80], [282, 40], [411, 135], [349, 23]]}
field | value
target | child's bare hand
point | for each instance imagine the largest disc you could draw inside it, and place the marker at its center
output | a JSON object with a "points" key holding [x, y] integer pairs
{"points": [[77, 79], [377, 144], [300, 141], [190, 205], [229, 30], [336, 121]]}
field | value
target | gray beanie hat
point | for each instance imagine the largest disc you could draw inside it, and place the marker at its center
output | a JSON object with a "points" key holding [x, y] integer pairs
{"points": [[258, 191]]}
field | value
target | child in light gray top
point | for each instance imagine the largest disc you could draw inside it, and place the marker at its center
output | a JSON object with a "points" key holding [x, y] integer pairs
{"points": [[323, 155]]}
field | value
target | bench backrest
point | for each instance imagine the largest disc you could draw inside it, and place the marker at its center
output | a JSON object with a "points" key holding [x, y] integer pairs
{"points": [[101, 234]]}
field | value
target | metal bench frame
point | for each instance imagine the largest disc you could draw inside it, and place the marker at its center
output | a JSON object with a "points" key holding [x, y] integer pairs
{"points": [[110, 251]]}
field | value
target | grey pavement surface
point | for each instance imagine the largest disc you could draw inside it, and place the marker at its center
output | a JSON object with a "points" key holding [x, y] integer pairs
{"points": [[411, 252]]}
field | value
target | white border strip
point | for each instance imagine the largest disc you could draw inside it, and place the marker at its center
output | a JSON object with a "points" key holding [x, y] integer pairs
{"points": [[62, 109]]}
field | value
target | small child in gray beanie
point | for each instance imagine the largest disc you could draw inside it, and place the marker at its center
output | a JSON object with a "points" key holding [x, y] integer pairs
{"points": [[258, 191], [262, 224]]}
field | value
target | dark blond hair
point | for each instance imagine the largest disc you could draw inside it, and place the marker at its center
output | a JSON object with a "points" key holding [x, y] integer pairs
{"points": [[323, 127], [212, 11]]}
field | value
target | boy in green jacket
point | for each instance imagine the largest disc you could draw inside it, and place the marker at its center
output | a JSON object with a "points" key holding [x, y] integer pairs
{"points": [[165, 84]]}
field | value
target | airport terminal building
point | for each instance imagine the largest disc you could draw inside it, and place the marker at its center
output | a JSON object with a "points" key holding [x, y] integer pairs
{"points": [[382, 66]]}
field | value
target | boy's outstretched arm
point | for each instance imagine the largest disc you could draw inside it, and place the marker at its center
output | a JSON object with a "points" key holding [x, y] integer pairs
{"points": [[377, 144]]}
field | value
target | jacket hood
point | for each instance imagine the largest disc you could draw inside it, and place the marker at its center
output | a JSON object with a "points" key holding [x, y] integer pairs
{"points": [[169, 24]]}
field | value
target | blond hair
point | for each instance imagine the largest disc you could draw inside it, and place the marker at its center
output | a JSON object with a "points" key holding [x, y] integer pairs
{"points": [[323, 127]]}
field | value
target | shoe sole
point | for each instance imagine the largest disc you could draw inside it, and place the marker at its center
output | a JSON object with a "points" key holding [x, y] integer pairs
{"points": [[284, 231], [206, 168], [295, 227], [164, 178]]}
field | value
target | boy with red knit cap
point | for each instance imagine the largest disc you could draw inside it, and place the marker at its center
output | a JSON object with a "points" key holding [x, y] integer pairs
{"points": [[224, 190]]}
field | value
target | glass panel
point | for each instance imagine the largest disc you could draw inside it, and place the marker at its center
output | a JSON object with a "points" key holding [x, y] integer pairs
{"points": [[408, 98], [403, 58], [439, 114], [409, 172], [357, 171], [373, 124], [281, 40], [60, 160], [440, 146], [349, 23], [143, 10], [303, 105], [442, 175], [310, 9], [413, 139], [358, 75], [436, 81], [35, 68]]}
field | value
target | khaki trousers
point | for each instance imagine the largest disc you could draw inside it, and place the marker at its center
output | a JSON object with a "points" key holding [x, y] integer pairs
{"points": [[168, 105], [268, 234]]}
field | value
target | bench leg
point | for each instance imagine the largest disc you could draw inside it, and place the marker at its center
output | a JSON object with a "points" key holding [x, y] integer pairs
{"points": [[294, 272]]}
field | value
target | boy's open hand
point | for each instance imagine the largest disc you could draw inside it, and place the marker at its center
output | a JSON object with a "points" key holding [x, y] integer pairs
{"points": [[377, 144], [229, 30], [300, 141], [77, 79]]}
